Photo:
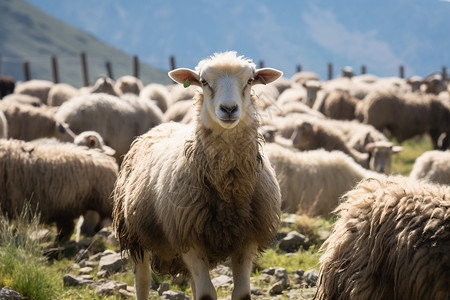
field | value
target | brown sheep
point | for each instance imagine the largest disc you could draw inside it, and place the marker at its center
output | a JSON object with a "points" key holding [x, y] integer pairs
{"points": [[337, 105], [62, 182], [391, 241], [190, 196]]}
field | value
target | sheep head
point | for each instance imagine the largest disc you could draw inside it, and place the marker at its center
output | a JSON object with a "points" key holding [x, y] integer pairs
{"points": [[381, 155], [225, 80]]}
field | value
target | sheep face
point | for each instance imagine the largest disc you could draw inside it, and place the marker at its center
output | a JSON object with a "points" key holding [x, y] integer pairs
{"points": [[381, 156], [226, 82]]}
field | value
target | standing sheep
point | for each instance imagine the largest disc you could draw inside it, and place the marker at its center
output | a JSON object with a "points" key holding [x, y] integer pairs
{"points": [[35, 87], [432, 166], [158, 93], [60, 93], [62, 182], [129, 84], [391, 241], [337, 105], [190, 196]]}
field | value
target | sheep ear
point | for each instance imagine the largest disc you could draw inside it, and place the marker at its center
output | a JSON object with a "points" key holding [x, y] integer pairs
{"points": [[91, 142], [266, 75], [185, 76], [397, 149]]}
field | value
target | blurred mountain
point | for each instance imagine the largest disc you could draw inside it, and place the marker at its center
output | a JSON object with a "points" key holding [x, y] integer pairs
{"points": [[381, 34], [29, 34]]}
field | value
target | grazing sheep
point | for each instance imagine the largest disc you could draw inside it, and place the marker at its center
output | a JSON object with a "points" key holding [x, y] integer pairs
{"points": [[337, 105], [26, 122], [105, 85], [36, 88], [158, 93], [406, 115], [189, 196], [432, 166], [129, 84], [63, 181], [3, 126], [311, 182], [118, 121], [7, 85], [391, 241], [60, 93]]}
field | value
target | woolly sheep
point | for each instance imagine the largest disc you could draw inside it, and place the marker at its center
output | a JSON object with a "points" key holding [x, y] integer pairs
{"points": [[307, 93], [26, 122], [35, 87], [63, 181], [405, 115], [337, 105], [391, 241], [158, 93], [118, 121], [129, 84], [301, 77], [189, 196], [180, 93], [180, 111], [292, 107], [311, 182], [105, 85], [432, 166], [60, 93]]}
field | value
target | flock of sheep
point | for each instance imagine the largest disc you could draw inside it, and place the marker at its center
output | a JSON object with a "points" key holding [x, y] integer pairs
{"points": [[193, 173]]}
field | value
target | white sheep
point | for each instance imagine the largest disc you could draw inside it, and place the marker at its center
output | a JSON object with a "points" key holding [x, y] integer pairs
{"points": [[106, 85], [158, 93], [190, 196], [391, 241], [432, 166], [35, 87], [118, 121], [3, 126], [60, 93], [128, 84], [312, 182]]}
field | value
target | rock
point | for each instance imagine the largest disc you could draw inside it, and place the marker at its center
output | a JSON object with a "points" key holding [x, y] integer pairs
{"points": [[311, 277], [72, 280], [112, 263], [107, 288], [125, 294], [222, 281], [292, 242], [6, 293], [174, 295], [85, 270], [277, 288], [164, 286]]}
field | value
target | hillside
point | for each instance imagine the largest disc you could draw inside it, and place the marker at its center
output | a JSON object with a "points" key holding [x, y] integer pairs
{"points": [[29, 34]]}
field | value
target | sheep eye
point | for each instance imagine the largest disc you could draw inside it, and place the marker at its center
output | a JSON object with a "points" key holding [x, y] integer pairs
{"points": [[250, 81], [203, 82]]}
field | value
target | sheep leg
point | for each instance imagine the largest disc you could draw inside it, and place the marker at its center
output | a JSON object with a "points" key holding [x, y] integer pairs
{"points": [[142, 277], [201, 284], [64, 228], [241, 264]]}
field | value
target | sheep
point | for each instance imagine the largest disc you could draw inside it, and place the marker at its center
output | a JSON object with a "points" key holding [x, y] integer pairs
{"points": [[158, 93], [118, 121], [35, 87], [405, 116], [282, 84], [432, 166], [7, 85], [129, 84], [391, 241], [60, 93], [337, 105], [106, 85], [189, 196], [62, 182], [434, 84], [301, 77], [180, 93], [312, 182], [26, 122], [307, 93], [415, 82], [3, 126], [292, 107]]}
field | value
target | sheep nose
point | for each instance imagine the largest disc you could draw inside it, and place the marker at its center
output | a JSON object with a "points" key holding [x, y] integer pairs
{"points": [[229, 109]]}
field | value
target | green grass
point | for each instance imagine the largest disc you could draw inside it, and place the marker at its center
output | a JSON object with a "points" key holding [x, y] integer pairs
{"points": [[403, 162]]}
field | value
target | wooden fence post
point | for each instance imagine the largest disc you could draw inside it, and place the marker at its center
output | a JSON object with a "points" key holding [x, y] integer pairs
{"points": [[26, 70], [402, 71], [172, 63], [330, 71], [261, 64], [109, 70], [298, 68], [84, 69], [444, 73], [135, 66], [55, 69], [363, 69]]}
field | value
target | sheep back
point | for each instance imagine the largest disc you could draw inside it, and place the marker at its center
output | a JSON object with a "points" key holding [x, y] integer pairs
{"points": [[391, 241], [432, 166]]}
